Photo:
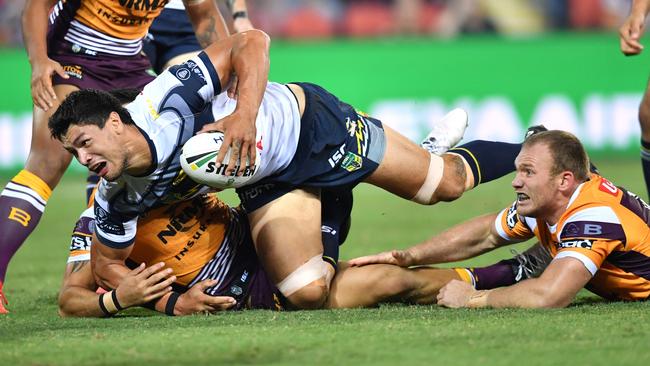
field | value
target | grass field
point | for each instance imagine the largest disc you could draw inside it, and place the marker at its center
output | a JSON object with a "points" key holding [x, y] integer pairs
{"points": [[589, 332]]}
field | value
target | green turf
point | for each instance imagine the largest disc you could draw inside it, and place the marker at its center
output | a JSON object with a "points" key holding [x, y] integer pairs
{"points": [[589, 332]]}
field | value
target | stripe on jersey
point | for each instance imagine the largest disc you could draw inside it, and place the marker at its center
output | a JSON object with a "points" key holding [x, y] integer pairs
{"points": [[601, 214], [219, 266], [86, 37], [588, 263], [631, 261], [499, 227]]}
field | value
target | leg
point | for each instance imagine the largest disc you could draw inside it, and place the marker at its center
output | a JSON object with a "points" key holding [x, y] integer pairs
{"points": [[24, 198], [373, 284], [412, 173], [644, 121], [287, 237]]}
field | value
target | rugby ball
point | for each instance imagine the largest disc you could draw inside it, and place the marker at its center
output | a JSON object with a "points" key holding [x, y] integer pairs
{"points": [[198, 160]]}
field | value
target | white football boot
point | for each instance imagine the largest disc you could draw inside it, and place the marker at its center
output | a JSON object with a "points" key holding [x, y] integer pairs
{"points": [[446, 133]]}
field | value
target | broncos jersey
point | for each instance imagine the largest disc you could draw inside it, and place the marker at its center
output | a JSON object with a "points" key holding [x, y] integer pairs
{"points": [[197, 239], [170, 110], [113, 27], [605, 227]]}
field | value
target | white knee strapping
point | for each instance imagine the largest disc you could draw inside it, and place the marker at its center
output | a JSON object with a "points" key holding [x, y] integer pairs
{"points": [[431, 182], [307, 273]]}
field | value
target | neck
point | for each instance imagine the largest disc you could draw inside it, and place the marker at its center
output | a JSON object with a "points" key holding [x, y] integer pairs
{"points": [[139, 157], [560, 205]]}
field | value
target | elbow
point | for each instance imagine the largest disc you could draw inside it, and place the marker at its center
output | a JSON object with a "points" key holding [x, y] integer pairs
{"points": [[256, 36]]}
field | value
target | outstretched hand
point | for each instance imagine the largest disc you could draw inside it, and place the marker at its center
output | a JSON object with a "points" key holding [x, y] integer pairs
{"points": [[402, 258], [143, 284], [630, 34], [195, 300], [43, 94], [239, 138]]}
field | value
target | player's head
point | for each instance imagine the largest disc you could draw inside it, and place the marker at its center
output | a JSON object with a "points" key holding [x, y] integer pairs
{"points": [[549, 167], [90, 124]]}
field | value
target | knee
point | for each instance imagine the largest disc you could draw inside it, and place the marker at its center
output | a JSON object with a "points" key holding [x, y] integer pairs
{"points": [[310, 297]]}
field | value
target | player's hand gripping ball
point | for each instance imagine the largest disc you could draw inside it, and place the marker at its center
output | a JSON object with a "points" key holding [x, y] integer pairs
{"points": [[198, 160]]}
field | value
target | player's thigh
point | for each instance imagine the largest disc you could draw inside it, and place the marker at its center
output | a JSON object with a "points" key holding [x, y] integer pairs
{"points": [[179, 59], [644, 114], [287, 232], [47, 157], [403, 168]]}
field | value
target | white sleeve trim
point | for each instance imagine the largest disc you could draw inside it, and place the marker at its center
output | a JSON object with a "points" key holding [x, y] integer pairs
{"points": [[499, 227], [588, 263], [79, 258]]}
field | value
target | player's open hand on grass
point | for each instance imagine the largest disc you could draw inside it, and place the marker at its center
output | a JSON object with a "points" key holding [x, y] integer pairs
{"points": [[195, 300], [630, 33], [239, 138], [402, 258], [43, 94], [144, 284], [456, 294]]}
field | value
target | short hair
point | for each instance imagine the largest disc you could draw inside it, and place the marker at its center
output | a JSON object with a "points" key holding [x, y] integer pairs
{"points": [[567, 152], [86, 107]]}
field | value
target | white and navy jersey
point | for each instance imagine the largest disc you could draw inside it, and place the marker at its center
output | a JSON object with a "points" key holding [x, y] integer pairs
{"points": [[169, 111], [175, 4]]}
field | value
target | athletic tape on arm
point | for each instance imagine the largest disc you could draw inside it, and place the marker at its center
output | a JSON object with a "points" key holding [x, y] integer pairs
{"points": [[307, 273], [431, 182]]}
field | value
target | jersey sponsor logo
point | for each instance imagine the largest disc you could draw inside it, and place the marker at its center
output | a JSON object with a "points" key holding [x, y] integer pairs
{"points": [[121, 20], [147, 5], [511, 217], [73, 70], [102, 221], [582, 244], [608, 187], [191, 242]]}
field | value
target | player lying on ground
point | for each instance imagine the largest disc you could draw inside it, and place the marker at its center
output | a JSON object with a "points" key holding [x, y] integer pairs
{"points": [[309, 144], [200, 258], [596, 232]]}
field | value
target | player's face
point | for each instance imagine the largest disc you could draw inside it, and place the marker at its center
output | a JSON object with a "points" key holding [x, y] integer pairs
{"points": [[98, 149], [535, 186]]}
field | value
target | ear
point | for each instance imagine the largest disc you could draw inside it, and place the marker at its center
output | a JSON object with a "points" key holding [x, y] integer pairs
{"points": [[567, 181], [115, 122]]}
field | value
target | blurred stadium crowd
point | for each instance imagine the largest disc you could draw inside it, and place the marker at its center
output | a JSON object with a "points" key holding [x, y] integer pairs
{"points": [[373, 18]]}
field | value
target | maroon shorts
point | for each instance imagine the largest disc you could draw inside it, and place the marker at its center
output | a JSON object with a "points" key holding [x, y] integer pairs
{"points": [[103, 72]]}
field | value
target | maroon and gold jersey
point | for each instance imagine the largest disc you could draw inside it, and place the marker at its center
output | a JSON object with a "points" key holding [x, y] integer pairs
{"points": [[196, 239], [103, 26], [605, 227]]}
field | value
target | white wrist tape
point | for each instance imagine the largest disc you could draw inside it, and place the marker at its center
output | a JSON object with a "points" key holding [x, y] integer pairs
{"points": [[431, 182], [307, 273]]}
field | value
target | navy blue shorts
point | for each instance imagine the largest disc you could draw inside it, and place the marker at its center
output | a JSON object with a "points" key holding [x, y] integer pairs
{"points": [[337, 149], [171, 34]]}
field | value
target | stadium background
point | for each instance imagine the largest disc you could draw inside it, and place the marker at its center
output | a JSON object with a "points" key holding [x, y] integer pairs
{"points": [[511, 63]]}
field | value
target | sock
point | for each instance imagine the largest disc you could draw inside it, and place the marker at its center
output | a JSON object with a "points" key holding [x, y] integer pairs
{"points": [[645, 163], [489, 160], [497, 275], [22, 203], [91, 183]]}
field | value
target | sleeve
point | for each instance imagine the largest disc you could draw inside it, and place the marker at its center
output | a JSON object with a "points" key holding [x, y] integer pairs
{"points": [[195, 81], [81, 239], [513, 227], [590, 235], [113, 229]]}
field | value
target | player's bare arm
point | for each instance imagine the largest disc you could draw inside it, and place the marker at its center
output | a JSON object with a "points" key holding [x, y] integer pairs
{"points": [[632, 29], [462, 241], [239, 11], [246, 55], [208, 23], [108, 263], [78, 295], [34, 24], [555, 288]]}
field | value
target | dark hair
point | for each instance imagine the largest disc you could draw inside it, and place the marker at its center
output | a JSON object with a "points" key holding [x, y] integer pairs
{"points": [[567, 152], [86, 107], [125, 95]]}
